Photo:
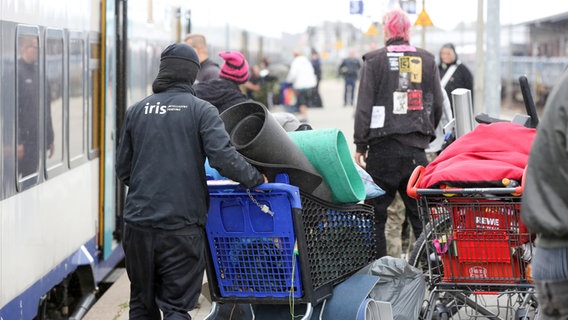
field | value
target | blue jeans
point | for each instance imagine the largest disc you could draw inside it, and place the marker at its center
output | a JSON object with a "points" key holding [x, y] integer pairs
{"points": [[550, 273], [349, 92]]}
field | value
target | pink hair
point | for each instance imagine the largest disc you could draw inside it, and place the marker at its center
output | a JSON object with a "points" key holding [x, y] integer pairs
{"points": [[396, 24]]}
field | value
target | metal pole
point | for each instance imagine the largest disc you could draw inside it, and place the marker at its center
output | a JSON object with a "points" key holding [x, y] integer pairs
{"points": [[423, 28], [493, 60], [463, 114], [479, 58]]}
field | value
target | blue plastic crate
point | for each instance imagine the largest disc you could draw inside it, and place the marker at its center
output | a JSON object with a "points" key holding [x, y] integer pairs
{"points": [[253, 252]]}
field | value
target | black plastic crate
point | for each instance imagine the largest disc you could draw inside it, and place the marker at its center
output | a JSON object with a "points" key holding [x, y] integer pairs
{"points": [[338, 239], [301, 252]]}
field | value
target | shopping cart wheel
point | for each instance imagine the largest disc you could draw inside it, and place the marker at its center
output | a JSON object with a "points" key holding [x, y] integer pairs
{"points": [[424, 257], [528, 308], [214, 311], [521, 314], [441, 312]]}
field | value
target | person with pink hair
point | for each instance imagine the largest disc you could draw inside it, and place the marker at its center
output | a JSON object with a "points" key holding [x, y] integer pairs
{"points": [[399, 105]]}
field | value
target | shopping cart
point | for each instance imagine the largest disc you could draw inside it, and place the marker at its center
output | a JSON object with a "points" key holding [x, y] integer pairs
{"points": [[475, 252], [277, 245]]}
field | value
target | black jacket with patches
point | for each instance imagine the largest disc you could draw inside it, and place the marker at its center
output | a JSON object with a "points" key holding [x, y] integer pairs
{"points": [[163, 145], [376, 119]]}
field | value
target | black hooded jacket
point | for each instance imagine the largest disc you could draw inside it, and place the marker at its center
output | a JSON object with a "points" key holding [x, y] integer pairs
{"points": [[163, 145], [221, 93]]}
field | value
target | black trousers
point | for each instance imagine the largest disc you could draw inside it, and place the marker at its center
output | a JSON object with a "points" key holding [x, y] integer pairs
{"points": [[391, 163], [165, 268]]}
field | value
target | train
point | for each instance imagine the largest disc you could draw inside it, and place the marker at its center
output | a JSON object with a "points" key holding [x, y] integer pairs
{"points": [[69, 70]]}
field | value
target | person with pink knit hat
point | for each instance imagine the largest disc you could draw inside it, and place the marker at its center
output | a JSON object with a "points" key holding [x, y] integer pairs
{"points": [[225, 91], [235, 68]]}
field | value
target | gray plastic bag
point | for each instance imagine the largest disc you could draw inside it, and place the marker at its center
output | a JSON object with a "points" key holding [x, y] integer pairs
{"points": [[400, 284]]}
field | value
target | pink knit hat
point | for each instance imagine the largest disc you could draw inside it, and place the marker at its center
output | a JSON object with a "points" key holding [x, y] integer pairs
{"points": [[235, 68]]}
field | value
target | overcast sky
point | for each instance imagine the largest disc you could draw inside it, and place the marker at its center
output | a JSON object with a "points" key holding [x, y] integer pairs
{"points": [[272, 17]]}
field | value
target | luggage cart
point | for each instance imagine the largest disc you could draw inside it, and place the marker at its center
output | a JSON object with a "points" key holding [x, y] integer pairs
{"points": [[475, 252], [278, 245]]}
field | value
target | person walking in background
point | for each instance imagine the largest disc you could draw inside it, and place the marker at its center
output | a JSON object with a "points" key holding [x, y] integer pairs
{"points": [[316, 64], [253, 86], [262, 86], [453, 73], [209, 69], [225, 91], [303, 79], [544, 204], [399, 105], [160, 157], [349, 70]]}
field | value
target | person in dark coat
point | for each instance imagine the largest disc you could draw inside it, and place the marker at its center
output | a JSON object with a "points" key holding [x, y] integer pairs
{"points": [[161, 158], [453, 73], [349, 70], [399, 105], [209, 69], [29, 98], [316, 63], [544, 203], [225, 91]]}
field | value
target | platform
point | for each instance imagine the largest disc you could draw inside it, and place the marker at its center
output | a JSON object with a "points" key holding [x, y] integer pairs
{"points": [[113, 305]]}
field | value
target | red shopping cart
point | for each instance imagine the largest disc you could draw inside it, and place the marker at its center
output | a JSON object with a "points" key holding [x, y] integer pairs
{"points": [[475, 252]]}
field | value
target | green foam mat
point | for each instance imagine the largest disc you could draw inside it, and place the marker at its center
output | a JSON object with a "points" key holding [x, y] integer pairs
{"points": [[328, 152]]}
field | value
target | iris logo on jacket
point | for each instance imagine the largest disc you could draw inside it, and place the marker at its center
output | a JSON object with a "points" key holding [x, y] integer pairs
{"points": [[159, 109]]}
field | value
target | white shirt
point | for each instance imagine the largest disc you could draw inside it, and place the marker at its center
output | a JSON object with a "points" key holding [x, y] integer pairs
{"points": [[301, 73]]}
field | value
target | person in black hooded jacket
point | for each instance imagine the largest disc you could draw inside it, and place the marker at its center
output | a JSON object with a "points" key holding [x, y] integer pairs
{"points": [[225, 91], [163, 145]]}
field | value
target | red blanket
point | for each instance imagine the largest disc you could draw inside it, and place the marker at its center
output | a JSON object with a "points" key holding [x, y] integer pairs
{"points": [[482, 157]]}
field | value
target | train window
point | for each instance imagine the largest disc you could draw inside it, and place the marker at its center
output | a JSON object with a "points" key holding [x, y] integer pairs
{"points": [[94, 95], [54, 111], [76, 99], [28, 106]]}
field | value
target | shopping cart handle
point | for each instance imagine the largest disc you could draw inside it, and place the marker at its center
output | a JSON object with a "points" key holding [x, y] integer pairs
{"points": [[416, 177], [292, 191], [414, 181], [521, 188]]}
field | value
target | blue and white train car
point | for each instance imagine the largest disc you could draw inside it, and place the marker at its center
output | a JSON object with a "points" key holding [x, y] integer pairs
{"points": [[68, 71]]}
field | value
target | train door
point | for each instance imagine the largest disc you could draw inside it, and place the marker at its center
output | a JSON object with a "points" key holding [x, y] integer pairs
{"points": [[107, 216], [122, 39]]}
